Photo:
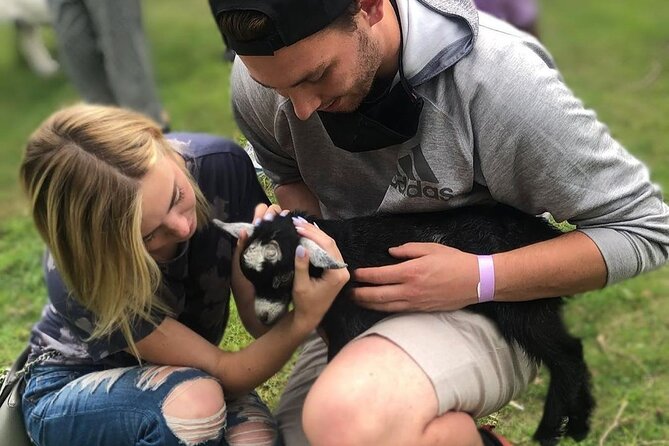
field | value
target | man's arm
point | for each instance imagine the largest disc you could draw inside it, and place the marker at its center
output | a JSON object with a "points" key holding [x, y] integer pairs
{"points": [[539, 150], [565, 265], [297, 196]]}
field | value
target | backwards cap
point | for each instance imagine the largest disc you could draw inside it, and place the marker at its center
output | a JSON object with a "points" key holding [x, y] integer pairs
{"points": [[293, 20]]}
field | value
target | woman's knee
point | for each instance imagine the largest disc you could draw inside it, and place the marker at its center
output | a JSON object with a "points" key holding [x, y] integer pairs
{"points": [[195, 410], [250, 422]]}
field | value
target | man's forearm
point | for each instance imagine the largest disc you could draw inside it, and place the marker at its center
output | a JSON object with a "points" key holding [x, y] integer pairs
{"points": [[566, 265], [297, 196]]}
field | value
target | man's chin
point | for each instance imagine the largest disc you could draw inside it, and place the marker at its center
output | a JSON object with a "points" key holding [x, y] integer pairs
{"points": [[346, 106]]}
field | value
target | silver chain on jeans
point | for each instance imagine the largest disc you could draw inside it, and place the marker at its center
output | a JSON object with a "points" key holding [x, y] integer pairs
{"points": [[29, 365]]}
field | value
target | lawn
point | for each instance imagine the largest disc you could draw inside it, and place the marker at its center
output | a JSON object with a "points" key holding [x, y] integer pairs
{"points": [[614, 55]]}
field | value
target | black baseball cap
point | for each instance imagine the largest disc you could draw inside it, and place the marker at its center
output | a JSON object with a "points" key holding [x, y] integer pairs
{"points": [[293, 20]]}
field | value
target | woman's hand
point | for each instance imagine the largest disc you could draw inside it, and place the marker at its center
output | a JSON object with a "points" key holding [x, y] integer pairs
{"points": [[434, 278], [313, 296], [264, 212], [244, 292]]}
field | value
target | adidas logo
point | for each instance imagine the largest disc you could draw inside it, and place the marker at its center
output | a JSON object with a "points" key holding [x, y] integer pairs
{"points": [[415, 178]]}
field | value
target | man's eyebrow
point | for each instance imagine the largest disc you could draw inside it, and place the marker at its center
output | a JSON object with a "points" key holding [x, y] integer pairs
{"points": [[174, 198], [319, 69]]}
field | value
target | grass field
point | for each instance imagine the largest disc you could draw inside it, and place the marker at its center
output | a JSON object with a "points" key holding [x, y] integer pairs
{"points": [[613, 54]]}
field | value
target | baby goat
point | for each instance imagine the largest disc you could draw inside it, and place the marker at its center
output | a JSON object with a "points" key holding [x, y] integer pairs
{"points": [[536, 325]]}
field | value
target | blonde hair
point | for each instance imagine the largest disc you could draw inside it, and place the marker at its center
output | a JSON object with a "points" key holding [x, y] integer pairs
{"points": [[81, 171]]}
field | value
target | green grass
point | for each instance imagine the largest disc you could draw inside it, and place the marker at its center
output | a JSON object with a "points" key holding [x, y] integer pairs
{"points": [[614, 55]]}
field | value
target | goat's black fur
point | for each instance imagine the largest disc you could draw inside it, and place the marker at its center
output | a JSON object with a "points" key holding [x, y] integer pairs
{"points": [[535, 325]]}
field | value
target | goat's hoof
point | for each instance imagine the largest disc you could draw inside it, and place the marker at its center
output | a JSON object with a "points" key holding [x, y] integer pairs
{"points": [[578, 432], [548, 441], [551, 436]]}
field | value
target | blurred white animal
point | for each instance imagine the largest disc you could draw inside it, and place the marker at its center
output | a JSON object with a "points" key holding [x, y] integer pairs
{"points": [[28, 16]]}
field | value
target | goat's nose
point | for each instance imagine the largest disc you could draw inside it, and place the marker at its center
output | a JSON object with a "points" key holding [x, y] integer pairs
{"points": [[264, 317]]}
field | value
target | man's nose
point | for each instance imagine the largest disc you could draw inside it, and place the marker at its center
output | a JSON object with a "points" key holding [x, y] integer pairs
{"points": [[305, 102]]}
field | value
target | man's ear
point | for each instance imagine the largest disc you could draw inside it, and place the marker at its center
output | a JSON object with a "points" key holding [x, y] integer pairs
{"points": [[373, 11]]}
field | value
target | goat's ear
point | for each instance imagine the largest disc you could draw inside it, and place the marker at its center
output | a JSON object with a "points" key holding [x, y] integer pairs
{"points": [[234, 228], [319, 257]]}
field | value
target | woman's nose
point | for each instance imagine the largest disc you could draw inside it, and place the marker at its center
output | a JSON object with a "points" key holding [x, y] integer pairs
{"points": [[179, 226]]}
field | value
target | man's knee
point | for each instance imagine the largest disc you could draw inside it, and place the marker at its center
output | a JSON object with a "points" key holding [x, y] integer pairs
{"points": [[336, 416], [363, 395]]}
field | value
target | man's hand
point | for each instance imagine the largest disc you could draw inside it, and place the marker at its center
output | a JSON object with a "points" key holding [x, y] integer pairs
{"points": [[433, 278]]}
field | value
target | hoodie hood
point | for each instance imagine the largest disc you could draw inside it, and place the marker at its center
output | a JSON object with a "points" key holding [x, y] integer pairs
{"points": [[432, 46]]}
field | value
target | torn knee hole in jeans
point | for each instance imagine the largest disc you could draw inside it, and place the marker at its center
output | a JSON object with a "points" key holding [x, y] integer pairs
{"points": [[153, 377], [93, 380], [181, 415], [251, 433], [253, 424], [195, 431]]}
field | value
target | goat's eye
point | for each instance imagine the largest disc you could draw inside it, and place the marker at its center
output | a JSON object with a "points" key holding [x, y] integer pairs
{"points": [[271, 252]]}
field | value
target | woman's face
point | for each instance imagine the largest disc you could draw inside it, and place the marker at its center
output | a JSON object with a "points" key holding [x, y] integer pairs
{"points": [[168, 208]]}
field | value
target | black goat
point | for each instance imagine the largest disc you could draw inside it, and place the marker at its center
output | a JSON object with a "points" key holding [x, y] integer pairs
{"points": [[536, 325]]}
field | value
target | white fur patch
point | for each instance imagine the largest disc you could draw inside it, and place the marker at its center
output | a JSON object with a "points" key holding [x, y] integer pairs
{"points": [[269, 312], [283, 279], [257, 253]]}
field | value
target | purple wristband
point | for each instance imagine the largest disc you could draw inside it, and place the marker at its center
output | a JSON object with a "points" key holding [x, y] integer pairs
{"points": [[485, 289]]}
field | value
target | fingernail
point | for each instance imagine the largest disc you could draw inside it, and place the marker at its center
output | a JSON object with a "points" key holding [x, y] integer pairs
{"points": [[300, 228], [268, 217], [297, 221], [316, 225], [303, 220], [300, 251], [284, 212], [257, 221]]}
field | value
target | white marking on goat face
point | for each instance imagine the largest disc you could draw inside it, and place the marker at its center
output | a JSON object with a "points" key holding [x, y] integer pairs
{"points": [[257, 253], [268, 312], [282, 279]]}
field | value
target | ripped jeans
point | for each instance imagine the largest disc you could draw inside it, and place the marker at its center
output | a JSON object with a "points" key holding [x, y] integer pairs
{"points": [[90, 405]]}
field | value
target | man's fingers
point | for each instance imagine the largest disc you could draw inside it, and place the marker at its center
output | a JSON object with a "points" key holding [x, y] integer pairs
{"points": [[396, 306], [382, 298], [413, 249], [380, 275], [377, 294]]}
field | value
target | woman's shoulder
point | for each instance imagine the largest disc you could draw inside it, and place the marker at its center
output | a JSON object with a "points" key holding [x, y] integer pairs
{"points": [[197, 145], [210, 152]]}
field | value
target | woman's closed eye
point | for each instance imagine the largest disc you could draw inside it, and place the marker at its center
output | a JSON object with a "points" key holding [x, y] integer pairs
{"points": [[147, 238], [180, 196], [178, 199]]}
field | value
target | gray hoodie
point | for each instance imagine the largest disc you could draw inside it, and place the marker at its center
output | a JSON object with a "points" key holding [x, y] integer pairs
{"points": [[498, 124]]}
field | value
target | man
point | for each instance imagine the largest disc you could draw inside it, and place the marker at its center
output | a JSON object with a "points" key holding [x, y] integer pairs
{"points": [[372, 105]]}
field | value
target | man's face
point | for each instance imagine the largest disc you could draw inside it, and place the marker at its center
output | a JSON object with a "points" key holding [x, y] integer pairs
{"points": [[330, 71]]}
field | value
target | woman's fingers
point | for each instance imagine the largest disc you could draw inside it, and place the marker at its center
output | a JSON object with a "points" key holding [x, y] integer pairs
{"points": [[322, 239], [264, 212]]}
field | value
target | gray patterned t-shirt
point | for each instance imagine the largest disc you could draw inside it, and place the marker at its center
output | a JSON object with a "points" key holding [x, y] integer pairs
{"points": [[196, 282]]}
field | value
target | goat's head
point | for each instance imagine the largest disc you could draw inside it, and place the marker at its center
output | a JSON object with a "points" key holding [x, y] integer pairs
{"points": [[268, 262]]}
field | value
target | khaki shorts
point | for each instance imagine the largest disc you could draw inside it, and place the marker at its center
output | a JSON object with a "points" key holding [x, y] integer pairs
{"points": [[471, 367]]}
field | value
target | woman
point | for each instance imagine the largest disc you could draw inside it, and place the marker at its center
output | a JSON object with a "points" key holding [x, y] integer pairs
{"points": [[139, 287]]}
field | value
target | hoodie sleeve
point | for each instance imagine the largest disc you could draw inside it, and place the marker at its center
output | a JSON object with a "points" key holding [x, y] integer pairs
{"points": [[540, 150], [256, 109]]}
